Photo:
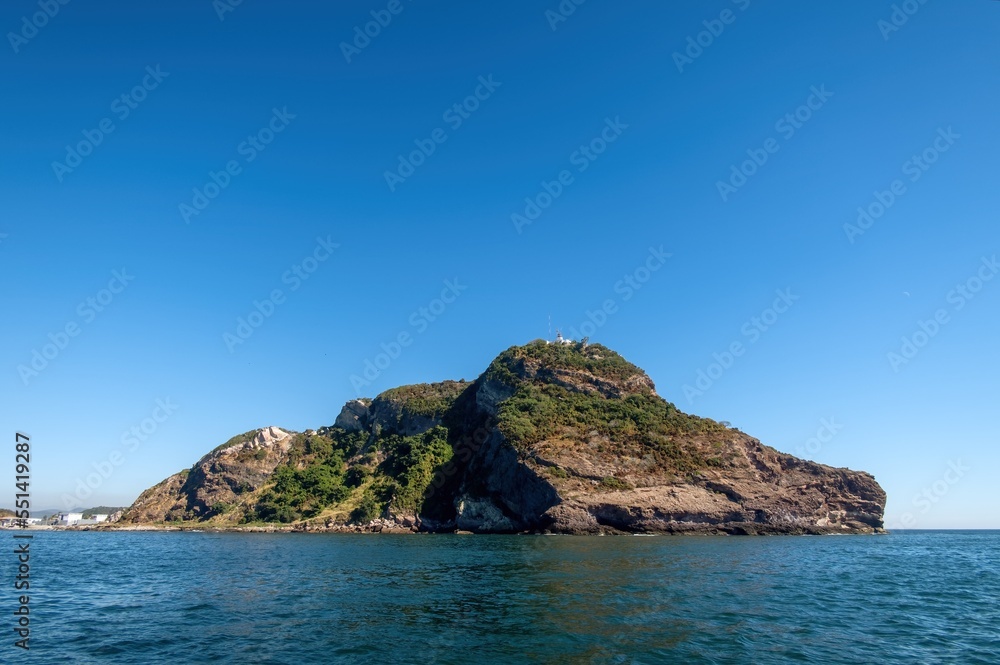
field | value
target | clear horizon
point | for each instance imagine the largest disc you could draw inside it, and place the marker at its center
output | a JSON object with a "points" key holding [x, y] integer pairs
{"points": [[226, 216]]}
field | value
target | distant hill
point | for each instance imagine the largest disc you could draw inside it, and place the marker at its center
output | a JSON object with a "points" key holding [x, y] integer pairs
{"points": [[100, 510], [48, 512], [559, 437]]}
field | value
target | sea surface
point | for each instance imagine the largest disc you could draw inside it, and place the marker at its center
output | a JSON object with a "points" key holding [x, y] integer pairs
{"points": [[154, 597]]}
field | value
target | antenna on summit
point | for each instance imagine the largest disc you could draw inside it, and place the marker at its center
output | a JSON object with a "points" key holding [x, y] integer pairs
{"points": [[550, 327]]}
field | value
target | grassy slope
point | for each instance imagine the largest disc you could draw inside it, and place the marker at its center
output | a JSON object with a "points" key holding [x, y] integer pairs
{"points": [[639, 424]]}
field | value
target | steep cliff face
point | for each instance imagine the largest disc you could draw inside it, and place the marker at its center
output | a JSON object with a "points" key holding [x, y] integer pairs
{"points": [[412, 410], [558, 438], [218, 482], [756, 490], [354, 416]]}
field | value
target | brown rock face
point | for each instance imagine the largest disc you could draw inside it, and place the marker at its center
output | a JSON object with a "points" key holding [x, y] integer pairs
{"points": [[215, 482], [758, 491], [354, 416]]}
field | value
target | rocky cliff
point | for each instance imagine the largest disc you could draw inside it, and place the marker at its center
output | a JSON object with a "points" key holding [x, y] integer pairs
{"points": [[551, 438], [216, 482]]}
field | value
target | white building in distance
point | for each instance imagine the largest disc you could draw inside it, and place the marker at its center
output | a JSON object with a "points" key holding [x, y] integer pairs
{"points": [[67, 519], [97, 518]]}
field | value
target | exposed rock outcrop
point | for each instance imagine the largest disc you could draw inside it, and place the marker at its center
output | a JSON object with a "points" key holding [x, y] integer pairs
{"points": [[780, 495], [240, 466], [412, 410], [354, 416]]}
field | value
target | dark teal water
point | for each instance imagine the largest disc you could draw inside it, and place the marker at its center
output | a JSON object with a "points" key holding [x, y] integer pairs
{"points": [[916, 597]]}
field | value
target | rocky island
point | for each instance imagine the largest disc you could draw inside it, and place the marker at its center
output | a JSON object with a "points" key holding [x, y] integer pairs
{"points": [[554, 437]]}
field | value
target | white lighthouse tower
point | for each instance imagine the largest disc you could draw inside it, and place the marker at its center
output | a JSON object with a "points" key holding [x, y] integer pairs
{"points": [[560, 339]]}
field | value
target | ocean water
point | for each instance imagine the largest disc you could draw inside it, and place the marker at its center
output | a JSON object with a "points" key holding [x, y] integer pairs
{"points": [[908, 597]]}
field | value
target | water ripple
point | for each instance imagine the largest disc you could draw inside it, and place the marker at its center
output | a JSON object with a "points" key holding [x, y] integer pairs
{"points": [[284, 598]]}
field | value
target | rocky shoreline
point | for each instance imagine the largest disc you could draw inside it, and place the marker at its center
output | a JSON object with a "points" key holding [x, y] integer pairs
{"points": [[390, 527]]}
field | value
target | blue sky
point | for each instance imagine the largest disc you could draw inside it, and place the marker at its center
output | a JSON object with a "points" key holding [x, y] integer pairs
{"points": [[615, 122]]}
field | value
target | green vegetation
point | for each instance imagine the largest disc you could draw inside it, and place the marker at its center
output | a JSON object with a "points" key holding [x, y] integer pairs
{"points": [[312, 479], [636, 425], [612, 483], [640, 424], [369, 509], [301, 493], [594, 358], [429, 400], [356, 476], [317, 477], [221, 507], [410, 462]]}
